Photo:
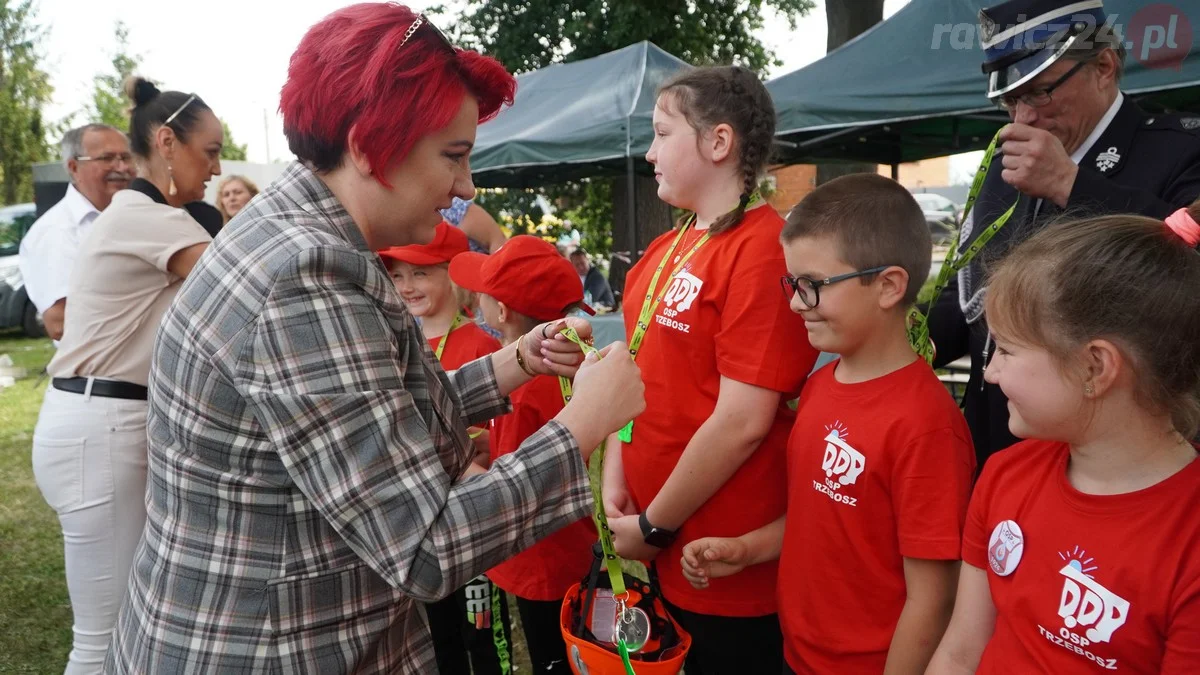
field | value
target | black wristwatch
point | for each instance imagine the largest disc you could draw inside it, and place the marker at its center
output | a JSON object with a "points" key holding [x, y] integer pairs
{"points": [[655, 536]]}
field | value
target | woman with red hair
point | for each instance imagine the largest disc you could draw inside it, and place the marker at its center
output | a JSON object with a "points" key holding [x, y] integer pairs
{"points": [[306, 451]]}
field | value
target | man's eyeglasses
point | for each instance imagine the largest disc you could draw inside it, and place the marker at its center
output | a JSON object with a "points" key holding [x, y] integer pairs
{"points": [[1037, 97], [109, 158], [809, 289]]}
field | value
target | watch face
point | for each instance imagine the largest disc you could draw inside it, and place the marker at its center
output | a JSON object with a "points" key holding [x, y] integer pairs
{"points": [[658, 538], [655, 536]]}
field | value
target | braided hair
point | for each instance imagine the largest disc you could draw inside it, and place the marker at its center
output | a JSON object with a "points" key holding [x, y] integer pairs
{"points": [[731, 95]]}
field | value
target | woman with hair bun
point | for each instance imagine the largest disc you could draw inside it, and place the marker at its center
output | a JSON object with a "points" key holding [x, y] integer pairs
{"points": [[89, 446]]}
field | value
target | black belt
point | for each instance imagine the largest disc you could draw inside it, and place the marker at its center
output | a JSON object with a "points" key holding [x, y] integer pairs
{"points": [[105, 388]]}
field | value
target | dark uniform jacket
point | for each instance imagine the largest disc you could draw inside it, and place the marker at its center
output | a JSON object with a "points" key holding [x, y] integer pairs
{"points": [[1142, 163]]}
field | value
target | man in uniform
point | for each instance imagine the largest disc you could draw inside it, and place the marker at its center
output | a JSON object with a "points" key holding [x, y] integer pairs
{"points": [[1076, 147]]}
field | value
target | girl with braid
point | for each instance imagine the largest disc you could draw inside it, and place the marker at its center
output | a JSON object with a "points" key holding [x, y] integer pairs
{"points": [[704, 322]]}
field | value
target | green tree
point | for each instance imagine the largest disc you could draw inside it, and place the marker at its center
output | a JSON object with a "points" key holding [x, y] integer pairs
{"points": [[529, 34], [231, 150], [24, 91], [109, 104]]}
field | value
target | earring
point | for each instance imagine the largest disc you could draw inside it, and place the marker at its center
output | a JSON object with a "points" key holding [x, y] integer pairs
{"points": [[1089, 390], [171, 189]]}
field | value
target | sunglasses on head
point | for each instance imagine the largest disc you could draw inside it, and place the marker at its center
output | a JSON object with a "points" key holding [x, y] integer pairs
{"points": [[422, 20]]}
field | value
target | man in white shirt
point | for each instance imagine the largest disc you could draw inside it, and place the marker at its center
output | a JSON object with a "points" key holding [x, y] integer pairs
{"points": [[98, 160]]}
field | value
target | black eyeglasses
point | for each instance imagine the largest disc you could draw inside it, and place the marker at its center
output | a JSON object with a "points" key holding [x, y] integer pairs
{"points": [[809, 289], [1038, 97]]}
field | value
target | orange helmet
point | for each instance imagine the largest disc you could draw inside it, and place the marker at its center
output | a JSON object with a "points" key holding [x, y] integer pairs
{"points": [[666, 645]]}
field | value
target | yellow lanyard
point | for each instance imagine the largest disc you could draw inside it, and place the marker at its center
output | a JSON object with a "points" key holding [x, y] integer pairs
{"points": [[654, 294], [611, 561], [918, 321], [459, 319]]}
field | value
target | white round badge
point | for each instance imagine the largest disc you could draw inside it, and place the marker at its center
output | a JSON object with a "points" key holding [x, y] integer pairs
{"points": [[1006, 547]]}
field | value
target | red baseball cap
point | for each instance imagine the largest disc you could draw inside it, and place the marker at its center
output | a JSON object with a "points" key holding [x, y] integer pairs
{"points": [[448, 241], [527, 274]]}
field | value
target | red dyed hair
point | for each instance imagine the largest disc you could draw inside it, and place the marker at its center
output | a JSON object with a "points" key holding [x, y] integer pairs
{"points": [[351, 72]]}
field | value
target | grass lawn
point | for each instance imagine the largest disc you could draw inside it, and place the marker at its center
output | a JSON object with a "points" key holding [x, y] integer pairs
{"points": [[35, 617]]}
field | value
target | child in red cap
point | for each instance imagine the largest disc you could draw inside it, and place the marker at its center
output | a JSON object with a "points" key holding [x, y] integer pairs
{"points": [[423, 282], [421, 275], [524, 283]]}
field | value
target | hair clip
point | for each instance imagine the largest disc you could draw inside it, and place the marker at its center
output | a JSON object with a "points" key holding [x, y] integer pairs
{"points": [[1184, 226], [175, 114]]}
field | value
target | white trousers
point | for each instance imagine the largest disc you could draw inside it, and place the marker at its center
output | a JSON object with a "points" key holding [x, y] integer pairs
{"points": [[89, 460]]}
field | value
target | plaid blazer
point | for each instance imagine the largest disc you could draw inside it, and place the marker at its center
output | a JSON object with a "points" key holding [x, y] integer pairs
{"points": [[304, 447]]}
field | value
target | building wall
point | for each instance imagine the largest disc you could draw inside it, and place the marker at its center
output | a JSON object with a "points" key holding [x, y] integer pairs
{"points": [[792, 183], [926, 173]]}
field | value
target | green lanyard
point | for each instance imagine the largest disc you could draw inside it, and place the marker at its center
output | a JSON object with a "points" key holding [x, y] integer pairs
{"points": [[918, 324], [654, 294], [610, 556], [459, 319], [612, 562]]}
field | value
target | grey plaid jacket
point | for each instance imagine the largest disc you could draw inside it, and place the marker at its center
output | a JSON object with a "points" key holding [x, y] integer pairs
{"points": [[303, 449]]}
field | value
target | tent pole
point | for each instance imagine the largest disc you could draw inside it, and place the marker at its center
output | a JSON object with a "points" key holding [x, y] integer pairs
{"points": [[895, 171], [631, 186]]}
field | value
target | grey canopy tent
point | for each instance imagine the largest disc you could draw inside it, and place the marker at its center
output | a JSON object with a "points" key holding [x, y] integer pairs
{"points": [[911, 88], [575, 120]]}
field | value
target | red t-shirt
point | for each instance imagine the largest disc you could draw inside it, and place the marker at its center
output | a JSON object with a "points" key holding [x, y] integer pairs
{"points": [[878, 471], [1102, 582], [723, 315], [465, 344], [547, 569]]}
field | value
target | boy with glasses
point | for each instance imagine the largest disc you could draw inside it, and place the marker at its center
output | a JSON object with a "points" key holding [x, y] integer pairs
{"points": [[879, 461]]}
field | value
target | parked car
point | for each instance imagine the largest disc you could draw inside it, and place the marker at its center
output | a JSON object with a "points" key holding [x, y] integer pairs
{"points": [[16, 310], [941, 214]]}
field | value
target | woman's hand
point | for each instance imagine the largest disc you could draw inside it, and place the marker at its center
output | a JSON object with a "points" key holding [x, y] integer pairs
{"points": [[617, 500], [548, 352], [608, 393], [481, 439], [610, 388]]}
